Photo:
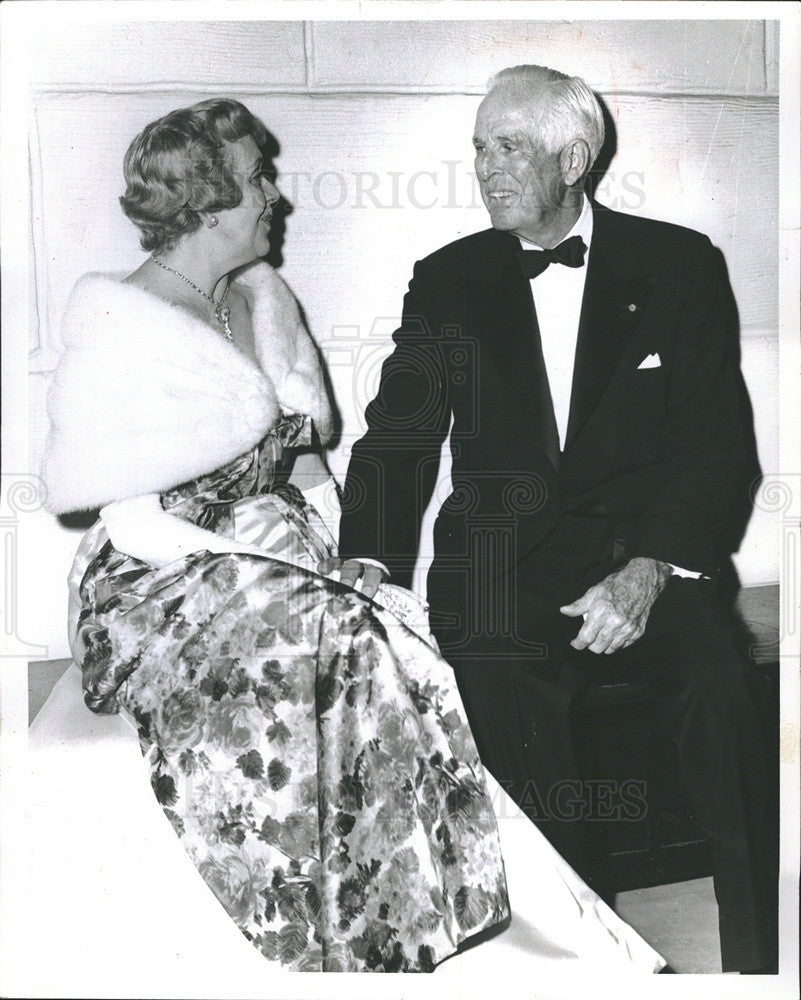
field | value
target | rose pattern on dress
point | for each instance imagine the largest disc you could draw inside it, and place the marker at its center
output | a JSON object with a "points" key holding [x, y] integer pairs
{"points": [[309, 750]]}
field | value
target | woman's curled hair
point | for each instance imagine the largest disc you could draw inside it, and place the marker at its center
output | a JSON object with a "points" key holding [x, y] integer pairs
{"points": [[177, 168]]}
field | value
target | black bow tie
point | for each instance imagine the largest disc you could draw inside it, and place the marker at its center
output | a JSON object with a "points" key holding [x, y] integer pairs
{"points": [[570, 253]]}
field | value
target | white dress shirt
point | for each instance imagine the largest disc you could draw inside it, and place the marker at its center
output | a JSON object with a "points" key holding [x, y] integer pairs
{"points": [[558, 293]]}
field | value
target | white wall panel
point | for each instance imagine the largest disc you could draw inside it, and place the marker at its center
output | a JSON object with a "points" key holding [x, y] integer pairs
{"points": [[711, 164], [113, 55], [48, 547], [650, 56], [757, 561], [772, 56]]}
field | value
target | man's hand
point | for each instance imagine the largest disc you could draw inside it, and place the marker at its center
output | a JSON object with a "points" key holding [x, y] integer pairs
{"points": [[616, 609], [352, 571]]}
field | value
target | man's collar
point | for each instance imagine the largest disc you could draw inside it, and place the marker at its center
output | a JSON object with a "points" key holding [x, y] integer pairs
{"points": [[582, 227]]}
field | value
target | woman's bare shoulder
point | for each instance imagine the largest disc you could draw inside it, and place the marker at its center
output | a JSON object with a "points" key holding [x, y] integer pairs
{"points": [[145, 277]]}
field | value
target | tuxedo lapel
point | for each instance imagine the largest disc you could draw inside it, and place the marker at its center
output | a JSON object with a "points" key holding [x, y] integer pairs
{"points": [[498, 311], [501, 310], [541, 389], [610, 312]]}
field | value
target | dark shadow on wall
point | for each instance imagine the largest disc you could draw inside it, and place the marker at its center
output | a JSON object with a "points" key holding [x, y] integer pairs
{"points": [[607, 153], [270, 150], [81, 520], [282, 209]]}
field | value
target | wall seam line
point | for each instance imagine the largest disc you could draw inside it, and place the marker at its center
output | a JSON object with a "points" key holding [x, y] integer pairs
{"points": [[38, 234], [308, 52], [334, 90]]}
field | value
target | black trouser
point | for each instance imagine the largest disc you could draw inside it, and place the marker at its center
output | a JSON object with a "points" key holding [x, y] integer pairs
{"points": [[708, 698]]}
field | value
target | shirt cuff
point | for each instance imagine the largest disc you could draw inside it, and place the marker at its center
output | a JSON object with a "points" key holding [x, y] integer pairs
{"points": [[374, 562], [689, 574]]}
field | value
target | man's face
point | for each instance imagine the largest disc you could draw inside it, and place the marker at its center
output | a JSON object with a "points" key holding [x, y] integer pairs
{"points": [[521, 183]]}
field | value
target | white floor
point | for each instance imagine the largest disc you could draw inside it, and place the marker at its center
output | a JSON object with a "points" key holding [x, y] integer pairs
{"points": [[679, 920]]}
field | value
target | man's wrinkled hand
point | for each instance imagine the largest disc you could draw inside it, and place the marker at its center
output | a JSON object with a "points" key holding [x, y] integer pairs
{"points": [[364, 577], [616, 609]]}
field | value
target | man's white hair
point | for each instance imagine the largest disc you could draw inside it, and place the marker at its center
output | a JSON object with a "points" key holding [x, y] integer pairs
{"points": [[570, 111]]}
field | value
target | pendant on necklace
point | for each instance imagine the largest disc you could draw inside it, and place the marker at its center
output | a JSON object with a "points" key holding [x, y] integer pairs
{"points": [[223, 314]]}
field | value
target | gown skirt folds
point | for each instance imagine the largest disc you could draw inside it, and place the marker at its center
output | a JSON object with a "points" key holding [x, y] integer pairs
{"points": [[309, 749]]}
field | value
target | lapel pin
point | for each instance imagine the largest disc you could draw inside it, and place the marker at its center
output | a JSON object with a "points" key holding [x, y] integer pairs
{"points": [[632, 307]]}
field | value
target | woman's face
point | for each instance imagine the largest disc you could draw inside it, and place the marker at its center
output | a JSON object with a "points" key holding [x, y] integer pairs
{"points": [[246, 228]]}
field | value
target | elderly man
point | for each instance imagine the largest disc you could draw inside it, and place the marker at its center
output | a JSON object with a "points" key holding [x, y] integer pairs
{"points": [[585, 364]]}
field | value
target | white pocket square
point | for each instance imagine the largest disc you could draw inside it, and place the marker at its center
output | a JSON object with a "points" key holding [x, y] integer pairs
{"points": [[652, 361]]}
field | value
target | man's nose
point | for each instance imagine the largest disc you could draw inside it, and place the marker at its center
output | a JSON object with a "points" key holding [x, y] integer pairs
{"points": [[486, 165]]}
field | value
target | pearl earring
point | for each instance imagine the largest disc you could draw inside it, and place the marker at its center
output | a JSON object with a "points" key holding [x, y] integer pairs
{"points": [[213, 221]]}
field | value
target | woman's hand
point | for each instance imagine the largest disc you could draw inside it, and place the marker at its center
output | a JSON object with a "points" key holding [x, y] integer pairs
{"points": [[365, 577]]}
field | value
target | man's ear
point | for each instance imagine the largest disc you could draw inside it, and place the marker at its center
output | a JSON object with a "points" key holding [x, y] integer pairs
{"points": [[574, 161]]}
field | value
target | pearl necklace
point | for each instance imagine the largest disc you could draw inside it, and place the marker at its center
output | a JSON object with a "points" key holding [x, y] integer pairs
{"points": [[221, 310]]}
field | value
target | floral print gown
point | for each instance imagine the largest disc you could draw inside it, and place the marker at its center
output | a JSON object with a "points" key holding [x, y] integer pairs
{"points": [[310, 751]]}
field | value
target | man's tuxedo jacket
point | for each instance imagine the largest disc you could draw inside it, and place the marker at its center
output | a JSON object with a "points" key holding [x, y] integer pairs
{"points": [[653, 453]]}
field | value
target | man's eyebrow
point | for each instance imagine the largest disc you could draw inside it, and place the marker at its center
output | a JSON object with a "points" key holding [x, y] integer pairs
{"points": [[501, 137]]}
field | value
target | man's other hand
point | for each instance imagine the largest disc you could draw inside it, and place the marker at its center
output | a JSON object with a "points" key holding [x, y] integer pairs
{"points": [[616, 609], [364, 577]]}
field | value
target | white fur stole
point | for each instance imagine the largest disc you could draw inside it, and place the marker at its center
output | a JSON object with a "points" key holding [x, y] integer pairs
{"points": [[146, 396]]}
